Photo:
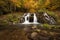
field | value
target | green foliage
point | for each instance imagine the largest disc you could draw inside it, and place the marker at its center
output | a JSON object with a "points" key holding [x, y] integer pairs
{"points": [[51, 26], [51, 13], [53, 4], [3, 22], [4, 6], [49, 4], [41, 3], [7, 6], [13, 18], [13, 5], [47, 26]]}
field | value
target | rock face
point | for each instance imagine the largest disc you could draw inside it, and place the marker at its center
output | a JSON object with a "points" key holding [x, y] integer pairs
{"points": [[41, 18], [45, 18]]}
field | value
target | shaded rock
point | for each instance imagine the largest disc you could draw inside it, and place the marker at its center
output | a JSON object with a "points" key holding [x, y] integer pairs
{"points": [[34, 34], [45, 18]]}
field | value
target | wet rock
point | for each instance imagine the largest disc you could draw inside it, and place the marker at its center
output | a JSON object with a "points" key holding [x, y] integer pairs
{"points": [[45, 18], [34, 34], [41, 18]]}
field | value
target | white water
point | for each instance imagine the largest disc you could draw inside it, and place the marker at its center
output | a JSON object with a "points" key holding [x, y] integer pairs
{"points": [[27, 19], [35, 19], [47, 17]]}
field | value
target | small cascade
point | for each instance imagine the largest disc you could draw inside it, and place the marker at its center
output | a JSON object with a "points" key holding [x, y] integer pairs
{"points": [[26, 16], [35, 19], [48, 18], [31, 18]]}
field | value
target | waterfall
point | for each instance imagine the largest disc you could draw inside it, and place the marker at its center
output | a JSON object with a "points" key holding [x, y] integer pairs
{"points": [[26, 19], [26, 16], [35, 19]]}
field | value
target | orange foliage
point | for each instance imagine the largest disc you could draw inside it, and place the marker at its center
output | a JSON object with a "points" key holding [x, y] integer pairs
{"points": [[30, 4], [16, 2], [47, 2]]}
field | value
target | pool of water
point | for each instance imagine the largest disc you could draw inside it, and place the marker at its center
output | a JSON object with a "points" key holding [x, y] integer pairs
{"points": [[42, 32]]}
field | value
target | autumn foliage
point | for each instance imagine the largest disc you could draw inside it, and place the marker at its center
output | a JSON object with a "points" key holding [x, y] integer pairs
{"points": [[13, 5]]}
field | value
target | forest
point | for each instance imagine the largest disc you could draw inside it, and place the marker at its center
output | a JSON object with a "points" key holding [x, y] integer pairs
{"points": [[10, 8], [12, 16]]}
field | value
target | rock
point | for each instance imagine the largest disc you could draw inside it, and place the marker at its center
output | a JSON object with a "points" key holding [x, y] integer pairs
{"points": [[34, 34], [45, 18], [21, 19]]}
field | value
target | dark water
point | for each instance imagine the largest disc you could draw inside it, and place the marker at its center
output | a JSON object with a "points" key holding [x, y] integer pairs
{"points": [[21, 26], [40, 36]]}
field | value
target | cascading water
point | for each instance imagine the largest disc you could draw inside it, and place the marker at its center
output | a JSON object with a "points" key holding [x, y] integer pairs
{"points": [[27, 19], [35, 19], [50, 19], [27, 16]]}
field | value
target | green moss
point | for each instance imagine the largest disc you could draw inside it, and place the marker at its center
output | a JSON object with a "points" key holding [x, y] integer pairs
{"points": [[47, 26]]}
